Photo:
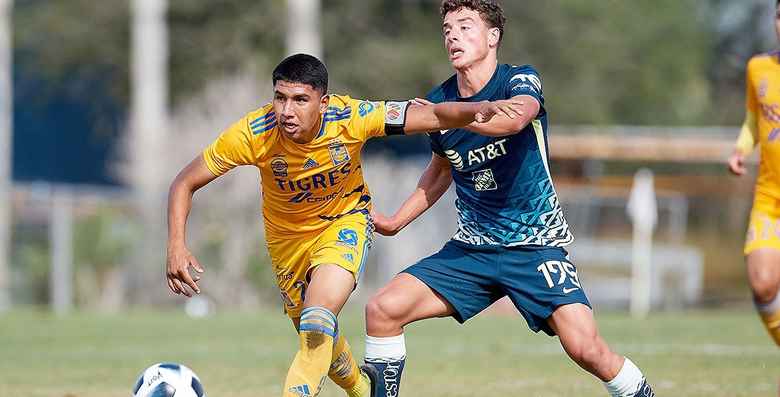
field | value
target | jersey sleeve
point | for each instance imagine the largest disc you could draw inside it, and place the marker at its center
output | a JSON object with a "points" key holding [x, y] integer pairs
{"points": [[435, 144], [377, 118], [232, 148], [751, 98], [524, 80], [366, 118]]}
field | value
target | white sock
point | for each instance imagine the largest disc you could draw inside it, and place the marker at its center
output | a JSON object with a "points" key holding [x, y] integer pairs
{"points": [[627, 381], [387, 349]]}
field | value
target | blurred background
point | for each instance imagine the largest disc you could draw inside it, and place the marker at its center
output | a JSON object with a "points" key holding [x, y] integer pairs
{"points": [[102, 102]]}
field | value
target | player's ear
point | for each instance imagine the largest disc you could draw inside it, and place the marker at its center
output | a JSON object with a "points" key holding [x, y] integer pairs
{"points": [[494, 34], [324, 100]]}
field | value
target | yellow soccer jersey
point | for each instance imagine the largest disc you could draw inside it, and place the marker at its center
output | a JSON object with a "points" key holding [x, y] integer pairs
{"points": [[305, 186], [763, 101]]}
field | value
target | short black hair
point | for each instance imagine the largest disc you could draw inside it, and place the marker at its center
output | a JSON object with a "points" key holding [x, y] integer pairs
{"points": [[304, 69]]}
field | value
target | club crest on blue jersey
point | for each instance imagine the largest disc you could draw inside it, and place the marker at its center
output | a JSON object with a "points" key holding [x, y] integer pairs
{"points": [[338, 152]]}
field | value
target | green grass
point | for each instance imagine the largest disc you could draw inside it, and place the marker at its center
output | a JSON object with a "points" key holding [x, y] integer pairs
{"points": [[88, 355]]}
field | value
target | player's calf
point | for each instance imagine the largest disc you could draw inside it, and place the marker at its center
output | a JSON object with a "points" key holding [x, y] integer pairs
{"points": [[345, 372], [629, 382], [317, 331], [770, 316], [384, 364]]}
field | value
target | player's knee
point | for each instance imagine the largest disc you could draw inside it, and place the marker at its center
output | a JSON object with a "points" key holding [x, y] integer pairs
{"points": [[384, 309], [589, 351], [765, 287]]}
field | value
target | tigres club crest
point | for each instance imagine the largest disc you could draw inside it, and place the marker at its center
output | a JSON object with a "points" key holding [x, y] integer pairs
{"points": [[279, 167], [338, 153]]}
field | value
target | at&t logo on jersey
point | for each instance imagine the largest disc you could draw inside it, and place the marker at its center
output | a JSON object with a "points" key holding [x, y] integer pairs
{"points": [[477, 156]]}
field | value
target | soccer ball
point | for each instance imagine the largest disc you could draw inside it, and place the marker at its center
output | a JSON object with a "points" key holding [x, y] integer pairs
{"points": [[168, 380]]}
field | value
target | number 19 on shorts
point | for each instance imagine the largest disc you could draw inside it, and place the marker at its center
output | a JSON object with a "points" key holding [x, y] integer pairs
{"points": [[557, 272]]}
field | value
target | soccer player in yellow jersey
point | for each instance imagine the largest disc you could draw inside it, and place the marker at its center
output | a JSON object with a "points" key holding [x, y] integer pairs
{"points": [[306, 145], [762, 126]]}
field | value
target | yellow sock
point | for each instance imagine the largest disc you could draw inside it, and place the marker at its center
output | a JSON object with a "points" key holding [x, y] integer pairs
{"points": [[770, 316], [307, 372], [772, 323], [344, 370]]}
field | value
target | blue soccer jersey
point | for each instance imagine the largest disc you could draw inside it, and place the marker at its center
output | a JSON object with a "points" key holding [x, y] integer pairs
{"points": [[505, 194]]}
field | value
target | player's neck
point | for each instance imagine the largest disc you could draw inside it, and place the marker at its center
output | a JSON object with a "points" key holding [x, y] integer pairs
{"points": [[473, 78]]}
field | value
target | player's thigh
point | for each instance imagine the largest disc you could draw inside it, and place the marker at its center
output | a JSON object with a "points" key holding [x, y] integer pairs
{"points": [[574, 323], [329, 286], [290, 259], [406, 299], [539, 281], [763, 270], [336, 262], [461, 275]]}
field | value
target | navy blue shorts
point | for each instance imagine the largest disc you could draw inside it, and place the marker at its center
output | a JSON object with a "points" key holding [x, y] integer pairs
{"points": [[537, 279]]}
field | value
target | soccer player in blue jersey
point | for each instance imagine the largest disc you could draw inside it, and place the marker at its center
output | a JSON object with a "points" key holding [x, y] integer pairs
{"points": [[511, 229]]}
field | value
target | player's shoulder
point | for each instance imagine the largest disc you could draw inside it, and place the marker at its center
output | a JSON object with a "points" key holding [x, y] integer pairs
{"points": [[764, 59], [511, 71], [261, 120], [439, 93], [340, 107]]}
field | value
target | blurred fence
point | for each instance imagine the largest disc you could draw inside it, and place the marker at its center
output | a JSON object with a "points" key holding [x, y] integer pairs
{"points": [[74, 245]]}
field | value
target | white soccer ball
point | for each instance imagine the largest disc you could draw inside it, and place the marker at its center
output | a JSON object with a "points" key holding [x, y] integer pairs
{"points": [[168, 380]]}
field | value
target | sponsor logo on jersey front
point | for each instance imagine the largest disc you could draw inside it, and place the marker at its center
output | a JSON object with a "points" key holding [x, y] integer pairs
{"points": [[477, 156], [279, 167], [484, 180]]}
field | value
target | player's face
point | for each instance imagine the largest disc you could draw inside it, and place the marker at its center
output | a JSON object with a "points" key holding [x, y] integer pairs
{"points": [[467, 38], [298, 109]]}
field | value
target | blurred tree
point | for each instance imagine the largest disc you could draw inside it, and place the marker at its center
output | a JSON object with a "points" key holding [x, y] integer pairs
{"points": [[661, 62]]}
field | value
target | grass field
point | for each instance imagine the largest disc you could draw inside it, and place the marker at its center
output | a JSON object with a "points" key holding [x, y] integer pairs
{"points": [[87, 355]]}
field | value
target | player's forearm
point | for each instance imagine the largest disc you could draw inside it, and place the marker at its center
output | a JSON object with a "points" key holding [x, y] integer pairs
{"points": [[433, 183], [748, 135], [179, 205], [501, 125], [454, 114]]}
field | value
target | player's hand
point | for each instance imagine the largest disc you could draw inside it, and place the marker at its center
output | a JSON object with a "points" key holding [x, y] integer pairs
{"points": [[178, 271], [737, 164], [506, 107], [421, 102], [383, 225]]}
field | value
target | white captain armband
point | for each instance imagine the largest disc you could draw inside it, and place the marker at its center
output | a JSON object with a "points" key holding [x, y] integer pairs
{"points": [[395, 117]]}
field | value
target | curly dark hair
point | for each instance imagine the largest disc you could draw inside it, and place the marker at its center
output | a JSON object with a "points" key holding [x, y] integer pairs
{"points": [[490, 11]]}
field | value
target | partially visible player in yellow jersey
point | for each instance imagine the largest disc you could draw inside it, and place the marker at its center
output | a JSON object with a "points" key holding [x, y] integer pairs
{"points": [[306, 145], [762, 127]]}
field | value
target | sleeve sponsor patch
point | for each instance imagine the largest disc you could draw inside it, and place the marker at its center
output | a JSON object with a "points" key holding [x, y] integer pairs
{"points": [[395, 113]]}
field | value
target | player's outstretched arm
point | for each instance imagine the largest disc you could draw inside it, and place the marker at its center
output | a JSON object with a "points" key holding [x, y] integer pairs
{"points": [[435, 180], [179, 259], [747, 140], [500, 124], [446, 115]]}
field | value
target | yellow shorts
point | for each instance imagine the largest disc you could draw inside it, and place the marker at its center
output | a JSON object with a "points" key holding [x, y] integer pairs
{"points": [[344, 243], [764, 228]]}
